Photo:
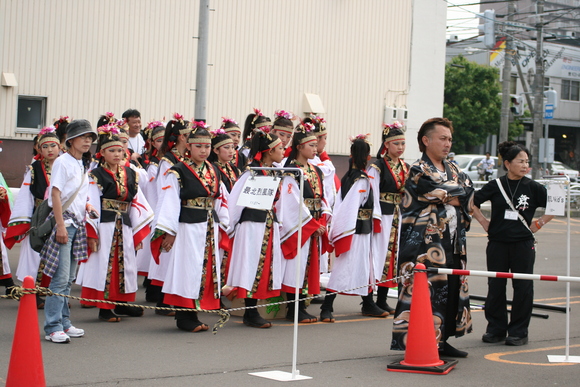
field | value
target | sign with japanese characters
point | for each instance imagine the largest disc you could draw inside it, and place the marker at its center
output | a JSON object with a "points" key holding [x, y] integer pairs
{"points": [[556, 199], [259, 192]]}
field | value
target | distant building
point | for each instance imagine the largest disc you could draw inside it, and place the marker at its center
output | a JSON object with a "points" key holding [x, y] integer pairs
{"points": [[345, 60]]}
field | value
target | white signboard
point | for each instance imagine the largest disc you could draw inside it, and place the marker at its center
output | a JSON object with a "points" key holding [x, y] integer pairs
{"points": [[259, 192], [556, 199]]}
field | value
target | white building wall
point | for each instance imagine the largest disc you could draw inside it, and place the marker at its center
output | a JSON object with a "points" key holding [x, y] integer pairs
{"points": [[92, 56], [427, 72]]}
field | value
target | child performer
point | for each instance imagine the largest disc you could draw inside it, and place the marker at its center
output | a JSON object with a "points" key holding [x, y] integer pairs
{"points": [[221, 156], [194, 212], [254, 121], [154, 131], [256, 263], [351, 233], [232, 128], [110, 273], [388, 175], [173, 150], [33, 191], [283, 126], [315, 215]]}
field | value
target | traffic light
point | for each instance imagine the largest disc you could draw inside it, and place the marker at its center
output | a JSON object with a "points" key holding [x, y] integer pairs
{"points": [[517, 105], [488, 28]]}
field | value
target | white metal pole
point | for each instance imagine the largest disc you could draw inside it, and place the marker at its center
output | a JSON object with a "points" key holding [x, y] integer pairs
{"points": [[297, 278]]}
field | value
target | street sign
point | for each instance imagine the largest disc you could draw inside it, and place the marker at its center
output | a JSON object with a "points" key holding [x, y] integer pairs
{"points": [[549, 112]]}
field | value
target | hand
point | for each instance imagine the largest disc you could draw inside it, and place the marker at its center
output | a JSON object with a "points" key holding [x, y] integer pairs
{"points": [[2, 193], [135, 156], [61, 234], [321, 230], [93, 244], [168, 241], [139, 246]]}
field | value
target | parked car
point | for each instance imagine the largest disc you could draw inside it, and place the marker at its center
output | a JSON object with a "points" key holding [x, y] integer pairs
{"points": [[468, 164], [558, 168]]}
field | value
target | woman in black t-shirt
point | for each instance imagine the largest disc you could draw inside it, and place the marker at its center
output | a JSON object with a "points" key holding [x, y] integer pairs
{"points": [[511, 243]]}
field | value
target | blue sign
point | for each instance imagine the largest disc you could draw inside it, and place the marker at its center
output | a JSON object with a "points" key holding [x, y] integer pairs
{"points": [[549, 112]]}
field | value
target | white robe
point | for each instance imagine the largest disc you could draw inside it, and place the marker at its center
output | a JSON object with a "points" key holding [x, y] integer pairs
{"points": [[93, 273], [351, 269], [29, 259], [248, 237], [185, 259], [380, 241]]}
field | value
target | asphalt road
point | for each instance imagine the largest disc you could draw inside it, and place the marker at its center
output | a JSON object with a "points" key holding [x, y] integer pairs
{"points": [[354, 351]]}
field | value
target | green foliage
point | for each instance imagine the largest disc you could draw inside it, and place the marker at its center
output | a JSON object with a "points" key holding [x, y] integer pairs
{"points": [[472, 102]]}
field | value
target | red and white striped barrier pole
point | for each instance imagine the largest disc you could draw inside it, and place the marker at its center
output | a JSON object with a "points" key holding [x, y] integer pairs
{"points": [[498, 274]]}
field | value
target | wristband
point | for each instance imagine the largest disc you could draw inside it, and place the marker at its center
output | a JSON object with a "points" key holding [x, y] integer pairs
{"points": [[538, 225]]}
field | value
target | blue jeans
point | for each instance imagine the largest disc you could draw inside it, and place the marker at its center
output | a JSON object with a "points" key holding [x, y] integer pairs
{"points": [[56, 310]]}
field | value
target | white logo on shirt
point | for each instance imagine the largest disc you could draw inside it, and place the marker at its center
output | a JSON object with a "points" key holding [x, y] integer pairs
{"points": [[523, 202]]}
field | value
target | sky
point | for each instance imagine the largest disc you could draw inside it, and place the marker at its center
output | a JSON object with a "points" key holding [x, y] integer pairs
{"points": [[461, 19]]}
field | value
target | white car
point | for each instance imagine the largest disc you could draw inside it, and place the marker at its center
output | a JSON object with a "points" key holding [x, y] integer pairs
{"points": [[558, 168], [468, 164]]}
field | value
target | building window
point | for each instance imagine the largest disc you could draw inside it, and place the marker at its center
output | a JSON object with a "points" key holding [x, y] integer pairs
{"points": [[546, 83], [570, 90], [31, 115]]}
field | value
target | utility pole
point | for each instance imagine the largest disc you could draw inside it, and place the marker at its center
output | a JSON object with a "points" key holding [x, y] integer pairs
{"points": [[538, 91], [506, 78], [202, 57]]}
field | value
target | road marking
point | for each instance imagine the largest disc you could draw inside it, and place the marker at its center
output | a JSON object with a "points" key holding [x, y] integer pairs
{"points": [[498, 356]]}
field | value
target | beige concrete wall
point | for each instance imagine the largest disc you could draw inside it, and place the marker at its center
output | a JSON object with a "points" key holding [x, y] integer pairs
{"points": [[92, 56]]}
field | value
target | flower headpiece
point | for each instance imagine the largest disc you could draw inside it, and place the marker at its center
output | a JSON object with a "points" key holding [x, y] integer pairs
{"points": [[226, 120], [62, 120], [394, 131], [46, 135], [195, 125], [178, 117], [220, 133], [107, 132], [319, 123], [284, 114], [257, 113], [46, 130], [217, 132], [152, 125], [364, 137], [306, 128]]}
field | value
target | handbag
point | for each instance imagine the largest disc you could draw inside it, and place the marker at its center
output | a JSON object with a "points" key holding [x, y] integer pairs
{"points": [[41, 225]]}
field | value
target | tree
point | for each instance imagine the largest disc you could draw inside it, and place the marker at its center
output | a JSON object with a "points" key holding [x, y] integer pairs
{"points": [[472, 102]]}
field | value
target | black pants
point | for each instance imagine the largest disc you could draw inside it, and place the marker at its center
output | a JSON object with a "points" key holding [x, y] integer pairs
{"points": [[517, 257]]}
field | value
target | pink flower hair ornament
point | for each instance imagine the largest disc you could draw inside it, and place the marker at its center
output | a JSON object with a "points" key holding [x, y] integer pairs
{"points": [[284, 114], [364, 137], [154, 124], [178, 117], [109, 129], [46, 130], [217, 132], [225, 120]]}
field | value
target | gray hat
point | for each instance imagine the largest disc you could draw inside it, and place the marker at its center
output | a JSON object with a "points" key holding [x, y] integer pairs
{"points": [[77, 128]]}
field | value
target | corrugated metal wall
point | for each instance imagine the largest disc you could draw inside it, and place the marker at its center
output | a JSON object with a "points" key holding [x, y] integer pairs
{"points": [[92, 56]]}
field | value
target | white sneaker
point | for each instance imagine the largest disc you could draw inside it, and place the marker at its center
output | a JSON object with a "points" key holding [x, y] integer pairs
{"points": [[74, 332], [58, 337]]}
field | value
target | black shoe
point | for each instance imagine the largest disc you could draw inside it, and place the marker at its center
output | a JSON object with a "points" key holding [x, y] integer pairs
{"points": [[326, 316], [108, 315], [127, 310], [152, 293], [491, 338], [253, 319], [450, 351], [373, 310], [386, 307], [188, 321], [516, 341]]}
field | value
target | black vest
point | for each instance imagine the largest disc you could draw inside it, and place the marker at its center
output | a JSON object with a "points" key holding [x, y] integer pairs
{"points": [[109, 191], [363, 226], [191, 188]]}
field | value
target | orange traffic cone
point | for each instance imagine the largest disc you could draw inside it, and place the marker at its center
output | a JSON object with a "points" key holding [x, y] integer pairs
{"points": [[26, 367], [421, 355]]}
